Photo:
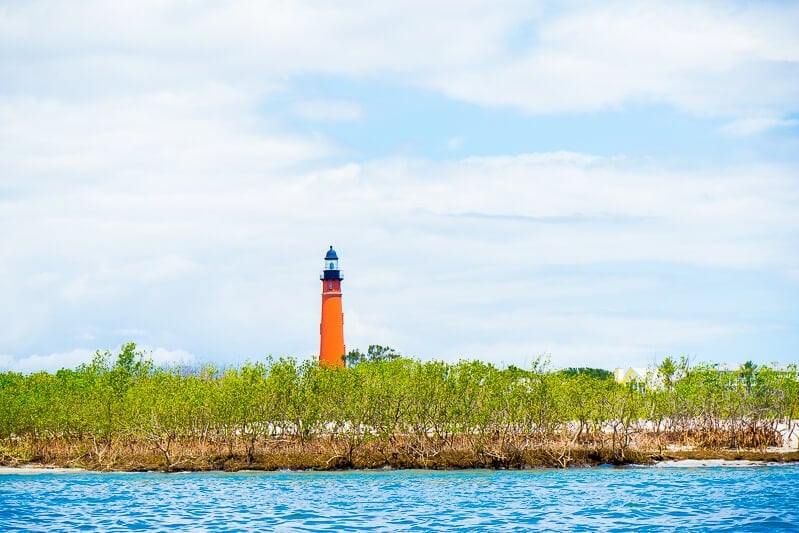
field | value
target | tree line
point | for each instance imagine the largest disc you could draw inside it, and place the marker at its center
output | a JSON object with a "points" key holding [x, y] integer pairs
{"points": [[382, 409]]}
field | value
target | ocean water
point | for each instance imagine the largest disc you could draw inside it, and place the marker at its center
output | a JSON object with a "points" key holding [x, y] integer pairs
{"points": [[718, 498]]}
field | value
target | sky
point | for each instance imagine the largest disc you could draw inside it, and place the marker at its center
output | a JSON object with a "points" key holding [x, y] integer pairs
{"points": [[596, 184]]}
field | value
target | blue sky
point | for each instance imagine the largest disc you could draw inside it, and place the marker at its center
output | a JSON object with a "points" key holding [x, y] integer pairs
{"points": [[602, 185], [409, 121]]}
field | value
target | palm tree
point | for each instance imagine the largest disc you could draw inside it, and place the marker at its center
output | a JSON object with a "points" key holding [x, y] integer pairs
{"points": [[666, 370], [748, 371]]}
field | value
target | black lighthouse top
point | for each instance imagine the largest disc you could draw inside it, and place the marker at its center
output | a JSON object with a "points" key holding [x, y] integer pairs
{"points": [[331, 270]]}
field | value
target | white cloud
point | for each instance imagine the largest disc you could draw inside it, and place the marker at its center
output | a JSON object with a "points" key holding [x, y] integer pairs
{"points": [[707, 59], [754, 125], [632, 212], [162, 356], [728, 60], [74, 358], [455, 143], [328, 110], [520, 336], [52, 147], [151, 271], [50, 362]]}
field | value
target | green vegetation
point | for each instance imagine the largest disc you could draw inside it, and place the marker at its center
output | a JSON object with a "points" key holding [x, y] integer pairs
{"points": [[599, 373], [126, 413], [374, 354]]}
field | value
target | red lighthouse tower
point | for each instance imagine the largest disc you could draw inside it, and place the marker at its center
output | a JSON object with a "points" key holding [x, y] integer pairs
{"points": [[331, 329]]}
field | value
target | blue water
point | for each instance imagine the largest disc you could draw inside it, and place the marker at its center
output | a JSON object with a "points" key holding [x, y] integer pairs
{"points": [[762, 498]]}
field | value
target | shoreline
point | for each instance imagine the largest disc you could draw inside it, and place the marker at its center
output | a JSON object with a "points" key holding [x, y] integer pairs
{"points": [[674, 458], [34, 469]]}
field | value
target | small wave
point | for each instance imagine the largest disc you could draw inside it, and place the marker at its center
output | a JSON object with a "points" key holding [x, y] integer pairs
{"points": [[683, 495]]}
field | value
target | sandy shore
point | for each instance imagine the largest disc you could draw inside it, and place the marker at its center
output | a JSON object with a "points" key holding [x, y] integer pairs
{"points": [[699, 463], [681, 463], [34, 469], [55, 455]]}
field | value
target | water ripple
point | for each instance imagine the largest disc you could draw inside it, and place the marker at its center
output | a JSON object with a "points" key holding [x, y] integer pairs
{"points": [[609, 499]]}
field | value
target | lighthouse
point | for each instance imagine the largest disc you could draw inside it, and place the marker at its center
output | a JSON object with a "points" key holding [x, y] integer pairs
{"points": [[331, 329]]}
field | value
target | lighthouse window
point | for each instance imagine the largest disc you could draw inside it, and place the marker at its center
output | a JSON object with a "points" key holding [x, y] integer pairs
{"points": [[330, 285], [332, 266]]}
